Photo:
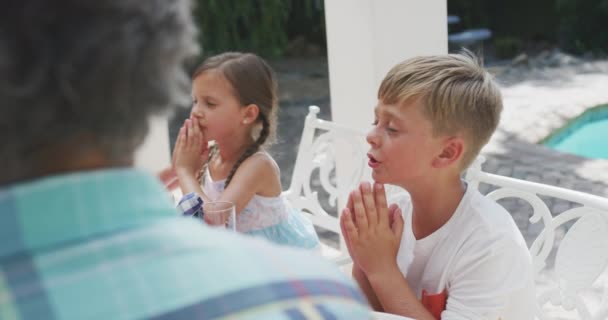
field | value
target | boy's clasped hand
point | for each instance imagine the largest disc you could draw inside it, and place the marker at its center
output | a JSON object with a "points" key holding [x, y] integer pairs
{"points": [[372, 230]]}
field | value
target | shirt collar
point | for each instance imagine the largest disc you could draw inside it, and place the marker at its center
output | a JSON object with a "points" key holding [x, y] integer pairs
{"points": [[59, 209]]}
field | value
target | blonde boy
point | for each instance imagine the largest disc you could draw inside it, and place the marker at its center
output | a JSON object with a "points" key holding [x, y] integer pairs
{"points": [[446, 252]]}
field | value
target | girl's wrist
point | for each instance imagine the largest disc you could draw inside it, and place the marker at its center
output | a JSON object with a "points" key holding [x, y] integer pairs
{"points": [[185, 172]]}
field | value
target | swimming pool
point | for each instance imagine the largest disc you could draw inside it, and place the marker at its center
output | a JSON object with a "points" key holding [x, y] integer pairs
{"points": [[585, 136]]}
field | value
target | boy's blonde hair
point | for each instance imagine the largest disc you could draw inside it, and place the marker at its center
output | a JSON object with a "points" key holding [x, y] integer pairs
{"points": [[458, 95]]}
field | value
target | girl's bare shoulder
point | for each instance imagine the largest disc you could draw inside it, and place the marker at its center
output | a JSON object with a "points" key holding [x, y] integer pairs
{"points": [[263, 163]]}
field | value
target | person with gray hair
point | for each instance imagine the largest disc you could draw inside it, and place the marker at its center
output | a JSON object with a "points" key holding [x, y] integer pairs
{"points": [[83, 235]]}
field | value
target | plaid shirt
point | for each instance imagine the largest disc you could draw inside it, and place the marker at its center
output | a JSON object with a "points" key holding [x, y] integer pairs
{"points": [[108, 245]]}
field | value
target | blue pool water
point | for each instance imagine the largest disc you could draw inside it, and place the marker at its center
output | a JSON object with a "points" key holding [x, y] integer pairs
{"points": [[586, 136]]}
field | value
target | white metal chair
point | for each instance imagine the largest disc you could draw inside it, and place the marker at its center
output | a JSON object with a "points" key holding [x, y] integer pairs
{"points": [[581, 256], [321, 141], [316, 152]]}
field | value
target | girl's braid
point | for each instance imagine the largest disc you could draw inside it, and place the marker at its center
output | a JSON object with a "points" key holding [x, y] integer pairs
{"points": [[202, 174], [252, 149]]}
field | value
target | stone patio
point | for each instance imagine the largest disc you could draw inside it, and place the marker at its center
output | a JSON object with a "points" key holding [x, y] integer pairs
{"points": [[537, 105]]}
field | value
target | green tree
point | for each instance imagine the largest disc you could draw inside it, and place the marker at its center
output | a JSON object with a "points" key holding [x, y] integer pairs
{"points": [[260, 26]]}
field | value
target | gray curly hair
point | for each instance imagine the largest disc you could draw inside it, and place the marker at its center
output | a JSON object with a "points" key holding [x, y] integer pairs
{"points": [[88, 68]]}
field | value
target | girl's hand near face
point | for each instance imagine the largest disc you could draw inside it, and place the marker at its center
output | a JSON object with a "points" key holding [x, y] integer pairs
{"points": [[191, 152]]}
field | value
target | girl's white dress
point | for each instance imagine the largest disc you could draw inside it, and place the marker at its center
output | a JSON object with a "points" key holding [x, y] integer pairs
{"points": [[270, 217]]}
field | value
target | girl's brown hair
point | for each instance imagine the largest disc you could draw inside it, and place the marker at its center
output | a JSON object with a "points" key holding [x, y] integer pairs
{"points": [[253, 82]]}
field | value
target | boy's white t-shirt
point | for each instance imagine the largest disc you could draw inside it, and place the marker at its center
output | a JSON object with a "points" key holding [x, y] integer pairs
{"points": [[479, 258]]}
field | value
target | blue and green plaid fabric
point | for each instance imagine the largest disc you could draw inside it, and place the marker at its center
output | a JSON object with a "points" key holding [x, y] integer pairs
{"points": [[109, 245]]}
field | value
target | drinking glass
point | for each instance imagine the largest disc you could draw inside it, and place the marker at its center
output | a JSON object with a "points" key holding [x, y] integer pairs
{"points": [[220, 214]]}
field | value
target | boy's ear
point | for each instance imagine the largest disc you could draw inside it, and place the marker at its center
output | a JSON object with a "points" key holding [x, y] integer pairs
{"points": [[250, 113], [453, 149]]}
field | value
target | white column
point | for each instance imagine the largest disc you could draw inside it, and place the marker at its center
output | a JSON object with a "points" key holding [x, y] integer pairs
{"points": [[365, 38], [154, 155]]}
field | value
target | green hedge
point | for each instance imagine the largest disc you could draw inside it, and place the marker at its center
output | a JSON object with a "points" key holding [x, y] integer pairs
{"points": [[266, 26], [576, 26], [583, 25], [261, 26]]}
